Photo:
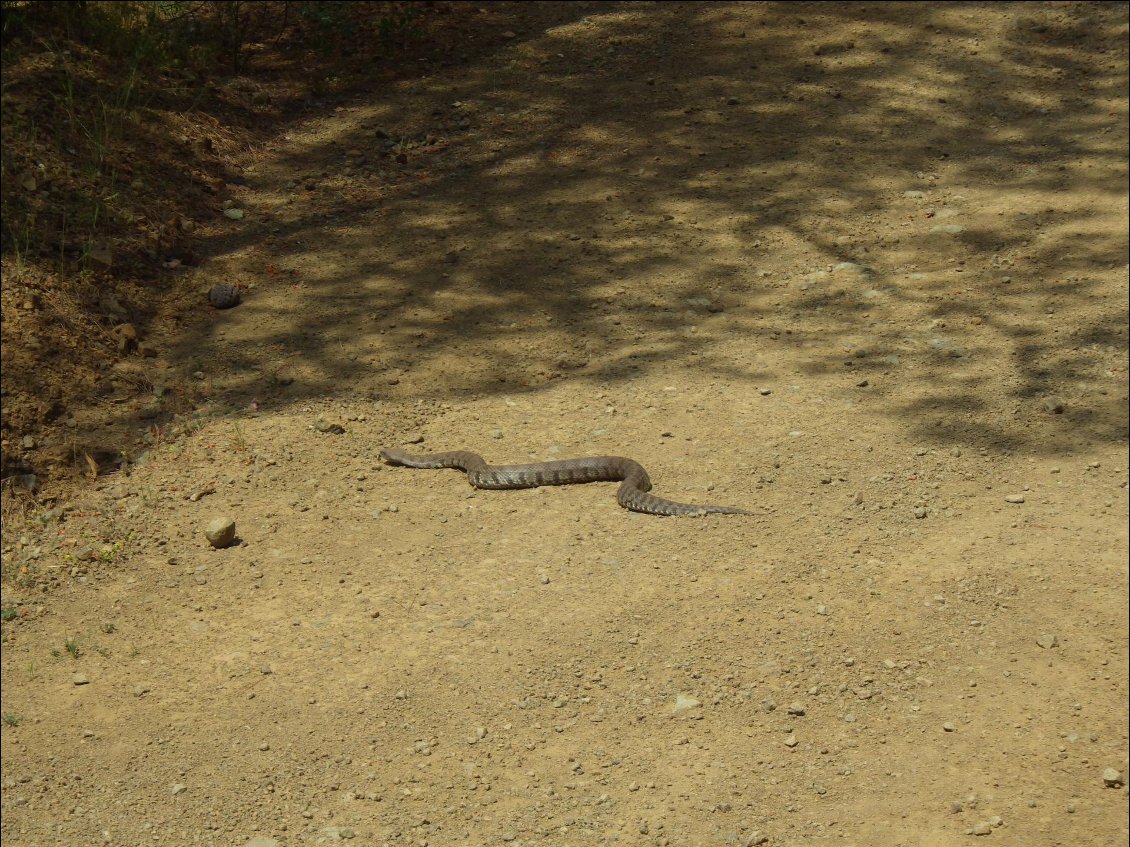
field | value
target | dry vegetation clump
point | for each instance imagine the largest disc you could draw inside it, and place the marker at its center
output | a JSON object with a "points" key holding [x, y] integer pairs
{"points": [[125, 125]]}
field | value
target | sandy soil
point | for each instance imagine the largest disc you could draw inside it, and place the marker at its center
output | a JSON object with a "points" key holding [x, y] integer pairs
{"points": [[858, 268]]}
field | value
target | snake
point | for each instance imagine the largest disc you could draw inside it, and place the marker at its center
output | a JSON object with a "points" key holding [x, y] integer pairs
{"points": [[634, 481]]}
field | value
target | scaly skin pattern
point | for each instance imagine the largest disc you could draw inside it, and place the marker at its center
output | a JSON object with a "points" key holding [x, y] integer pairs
{"points": [[634, 481]]}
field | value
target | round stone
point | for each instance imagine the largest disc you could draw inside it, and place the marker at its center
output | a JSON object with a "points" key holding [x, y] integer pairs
{"points": [[220, 532], [224, 296]]}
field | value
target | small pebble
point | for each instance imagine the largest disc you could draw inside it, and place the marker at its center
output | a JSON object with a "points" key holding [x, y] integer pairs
{"points": [[948, 727], [1047, 641], [224, 296], [684, 702], [1112, 778], [220, 532], [323, 424], [982, 828], [80, 679], [1014, 498]]}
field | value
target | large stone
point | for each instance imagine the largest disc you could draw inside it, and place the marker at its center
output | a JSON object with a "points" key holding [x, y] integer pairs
{"points": [[220, 532]]}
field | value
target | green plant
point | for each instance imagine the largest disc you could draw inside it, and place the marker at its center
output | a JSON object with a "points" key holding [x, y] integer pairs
{"points": [[329, 22], [109, 552], [11, 719], [8, 613], [19, 236], [239, 440], [400, 23], [72, 647]]}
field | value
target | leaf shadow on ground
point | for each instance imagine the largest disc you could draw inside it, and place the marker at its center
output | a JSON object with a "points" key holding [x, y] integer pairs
{"points": [[566, 222]]}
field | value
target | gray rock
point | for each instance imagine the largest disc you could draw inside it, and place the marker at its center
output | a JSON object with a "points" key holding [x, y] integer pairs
{"points": [[224, 296], [220, 532], [1112, 778], [324, 425], [684, 702]]}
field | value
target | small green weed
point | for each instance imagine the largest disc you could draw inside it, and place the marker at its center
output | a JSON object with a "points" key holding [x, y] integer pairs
{"points": [[239, 440]]}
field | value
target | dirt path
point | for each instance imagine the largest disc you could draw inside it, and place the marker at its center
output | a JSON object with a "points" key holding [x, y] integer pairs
{"points": [[859, 268]]}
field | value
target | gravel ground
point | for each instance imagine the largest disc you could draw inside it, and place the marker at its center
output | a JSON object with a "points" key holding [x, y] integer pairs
{"points": [[860, 269]]}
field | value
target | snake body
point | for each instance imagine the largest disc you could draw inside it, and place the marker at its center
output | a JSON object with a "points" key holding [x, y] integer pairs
{"points": [[634, 481]]}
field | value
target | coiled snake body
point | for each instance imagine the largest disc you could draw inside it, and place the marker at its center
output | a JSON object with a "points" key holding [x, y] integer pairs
{"points": [[634, 481]]}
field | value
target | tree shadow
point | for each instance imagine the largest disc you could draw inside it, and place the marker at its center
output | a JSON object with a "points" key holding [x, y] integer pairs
{"points": [[674, 185]]}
